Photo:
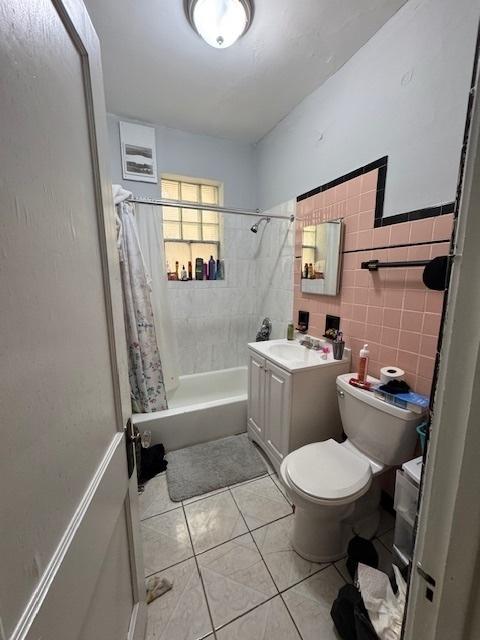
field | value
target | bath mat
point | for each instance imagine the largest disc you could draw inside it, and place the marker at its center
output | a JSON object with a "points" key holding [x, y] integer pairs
{"points": [[213, 465]]}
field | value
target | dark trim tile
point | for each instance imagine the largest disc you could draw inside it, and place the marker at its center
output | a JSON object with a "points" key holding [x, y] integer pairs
{"points": [[381, 162], [379, 221]]}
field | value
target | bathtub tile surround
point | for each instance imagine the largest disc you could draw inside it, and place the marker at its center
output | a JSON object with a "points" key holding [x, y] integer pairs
{"points": [[274, 271], [214, 320], [390, 309]]}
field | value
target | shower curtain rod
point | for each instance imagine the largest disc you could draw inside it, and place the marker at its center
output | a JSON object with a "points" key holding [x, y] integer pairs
{"points": [[185, 204]]}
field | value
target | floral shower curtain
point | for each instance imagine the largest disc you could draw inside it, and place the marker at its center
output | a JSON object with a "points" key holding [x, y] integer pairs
{"points": [[145, 367]]}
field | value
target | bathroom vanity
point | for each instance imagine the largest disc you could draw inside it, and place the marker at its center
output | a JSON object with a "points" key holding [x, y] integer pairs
{"points": [[292, 396]]}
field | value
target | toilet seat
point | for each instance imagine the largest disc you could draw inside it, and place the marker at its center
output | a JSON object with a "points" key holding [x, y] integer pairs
{"points": [[328, 473]]}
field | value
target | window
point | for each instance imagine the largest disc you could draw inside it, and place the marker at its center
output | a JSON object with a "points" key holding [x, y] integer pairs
{"points": [[190, 233]]}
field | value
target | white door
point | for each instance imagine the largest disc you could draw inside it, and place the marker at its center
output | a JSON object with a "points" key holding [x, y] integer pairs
{"points": [[70, 568], [256, 391], [277, 410]]}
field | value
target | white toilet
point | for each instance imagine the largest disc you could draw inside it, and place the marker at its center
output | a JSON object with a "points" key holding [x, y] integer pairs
{"points": [[334, 486]]}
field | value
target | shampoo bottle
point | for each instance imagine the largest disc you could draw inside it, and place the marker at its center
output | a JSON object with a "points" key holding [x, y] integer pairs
{"points": [[363, 364], [211, 268]]}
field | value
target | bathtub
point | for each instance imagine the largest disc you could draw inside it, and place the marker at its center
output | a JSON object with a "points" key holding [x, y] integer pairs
{"points": [[204, 407]]}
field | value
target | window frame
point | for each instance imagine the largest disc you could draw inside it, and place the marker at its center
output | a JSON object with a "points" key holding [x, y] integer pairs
{"points": [[199, 182]]}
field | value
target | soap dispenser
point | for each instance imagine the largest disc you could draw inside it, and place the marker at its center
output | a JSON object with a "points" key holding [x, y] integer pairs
{"points": [[363, 364]]}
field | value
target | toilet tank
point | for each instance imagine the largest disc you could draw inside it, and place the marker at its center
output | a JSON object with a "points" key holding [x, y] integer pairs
{"points": [[381, 431]]}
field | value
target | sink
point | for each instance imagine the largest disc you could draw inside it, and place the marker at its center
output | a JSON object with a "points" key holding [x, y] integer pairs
{"points": [[293, 352], [292, 356]]}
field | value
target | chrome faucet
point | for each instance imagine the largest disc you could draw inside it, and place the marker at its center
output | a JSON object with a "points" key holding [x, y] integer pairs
{"points": [[306, 342]]}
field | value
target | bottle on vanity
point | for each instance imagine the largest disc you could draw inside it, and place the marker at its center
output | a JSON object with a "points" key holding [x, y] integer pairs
{"points": [[363, 364]]}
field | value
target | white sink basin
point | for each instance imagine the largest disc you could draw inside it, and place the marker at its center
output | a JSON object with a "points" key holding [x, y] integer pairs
{"points": [[293, 352], [291, 355]]}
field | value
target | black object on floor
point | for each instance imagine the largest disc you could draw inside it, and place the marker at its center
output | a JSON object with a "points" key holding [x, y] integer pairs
{"points": [[360, 550], [152, 462], [350, 616]]}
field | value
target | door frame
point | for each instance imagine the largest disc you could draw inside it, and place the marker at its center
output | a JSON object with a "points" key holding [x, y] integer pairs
{"points": [[444, 595], [92, 525]]}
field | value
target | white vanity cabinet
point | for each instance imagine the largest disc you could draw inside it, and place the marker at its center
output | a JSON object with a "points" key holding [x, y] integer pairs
{"points": [[291, 402]]}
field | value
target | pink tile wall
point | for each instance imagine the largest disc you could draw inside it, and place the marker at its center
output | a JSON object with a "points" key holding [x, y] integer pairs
{"points": [[390, 309]]}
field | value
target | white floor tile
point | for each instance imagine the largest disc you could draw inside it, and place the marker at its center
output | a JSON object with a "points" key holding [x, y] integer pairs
{"points": [[155, 499], [341, 565], [264, 456], [279, 484], [260, 502], [384, 561], [310, 603], [387, 522], [180, 614], [285, 565], [384, 558], [235, 578], [270, 621], [204, 495], [165, 541], [387, 539], [214, 520]]}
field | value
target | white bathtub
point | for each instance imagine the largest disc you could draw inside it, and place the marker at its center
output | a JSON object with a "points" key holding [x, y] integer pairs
{"points": [[204, 407]]}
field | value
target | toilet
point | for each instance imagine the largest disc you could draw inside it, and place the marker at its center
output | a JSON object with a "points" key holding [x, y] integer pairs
{"points": [[334, 486]]}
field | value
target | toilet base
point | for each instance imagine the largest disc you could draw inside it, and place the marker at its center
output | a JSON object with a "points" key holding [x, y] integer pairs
{"points": [[322, 534]]}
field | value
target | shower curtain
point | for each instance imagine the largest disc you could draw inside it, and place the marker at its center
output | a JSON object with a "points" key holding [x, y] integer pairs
{"points": [[150, 232], [145, 367]]}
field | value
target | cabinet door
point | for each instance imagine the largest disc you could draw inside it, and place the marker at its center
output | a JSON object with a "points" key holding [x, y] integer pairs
{"points": [[256, 394], [277, 410]]}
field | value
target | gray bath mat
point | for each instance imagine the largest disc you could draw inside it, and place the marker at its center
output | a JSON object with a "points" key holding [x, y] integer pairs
{"points": [[213, 465]]}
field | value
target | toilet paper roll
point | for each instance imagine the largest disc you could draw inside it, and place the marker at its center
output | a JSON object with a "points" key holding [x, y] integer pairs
{"points": [[391, 373]]}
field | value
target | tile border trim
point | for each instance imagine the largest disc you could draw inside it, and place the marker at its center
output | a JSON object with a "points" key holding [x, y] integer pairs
{"points": [[379, 221]]}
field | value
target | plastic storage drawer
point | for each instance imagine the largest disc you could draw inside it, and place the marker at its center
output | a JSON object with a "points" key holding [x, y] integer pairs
{"points": [[403, 540], [406, 497]]}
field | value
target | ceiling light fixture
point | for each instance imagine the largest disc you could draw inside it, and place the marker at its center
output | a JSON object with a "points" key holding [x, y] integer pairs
{"points": [[219, 22]]}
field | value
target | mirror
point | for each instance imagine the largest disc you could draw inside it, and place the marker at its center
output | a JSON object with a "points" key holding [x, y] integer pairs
{"points": [[322, 258]]}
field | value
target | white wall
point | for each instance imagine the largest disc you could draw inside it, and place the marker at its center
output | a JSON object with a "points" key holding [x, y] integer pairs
{"points": [[404, 95], [187, 154]]}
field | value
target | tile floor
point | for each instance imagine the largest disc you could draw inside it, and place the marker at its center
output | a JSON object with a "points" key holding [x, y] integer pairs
{"points": [[235, 575]]}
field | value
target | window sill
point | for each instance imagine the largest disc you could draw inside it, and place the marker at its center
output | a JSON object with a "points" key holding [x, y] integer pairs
{"points": [[188, 284]]}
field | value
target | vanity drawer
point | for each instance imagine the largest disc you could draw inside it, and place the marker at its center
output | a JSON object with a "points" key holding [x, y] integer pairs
{"points": [[406, 497]]}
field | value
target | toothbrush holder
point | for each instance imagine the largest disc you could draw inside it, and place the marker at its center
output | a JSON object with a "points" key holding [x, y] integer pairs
{"points": [[338, 348]]}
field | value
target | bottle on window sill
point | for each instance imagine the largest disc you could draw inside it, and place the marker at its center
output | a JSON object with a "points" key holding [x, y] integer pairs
{"points": [[190, 275], [183, 273], [199, 269], [211, 268]]}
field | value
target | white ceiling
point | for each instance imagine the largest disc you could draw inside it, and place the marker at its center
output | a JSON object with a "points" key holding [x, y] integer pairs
{"points": [[158, 70]]}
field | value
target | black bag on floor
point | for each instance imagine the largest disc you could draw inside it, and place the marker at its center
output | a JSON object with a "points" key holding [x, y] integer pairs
{"points": [[350, 616], [152, 461], [360, 550]]}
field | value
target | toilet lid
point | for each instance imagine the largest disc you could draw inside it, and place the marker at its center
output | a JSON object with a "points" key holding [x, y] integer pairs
{"points": [[328, 471]]}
